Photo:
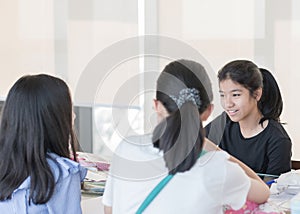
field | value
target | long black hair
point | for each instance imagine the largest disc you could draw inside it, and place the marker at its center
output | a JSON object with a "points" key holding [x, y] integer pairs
{"points": [[247, 74], [271, 103], [36, 119], [180, 136]]}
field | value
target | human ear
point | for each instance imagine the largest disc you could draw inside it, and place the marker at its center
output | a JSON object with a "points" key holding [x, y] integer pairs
{"points": [[73, 117], [258, 94], [155, 105], [160, 109]]}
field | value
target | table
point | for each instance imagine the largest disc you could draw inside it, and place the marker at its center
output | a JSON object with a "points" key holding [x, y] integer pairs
{"points": [[289, 189], [92, 204], [280, 200]]}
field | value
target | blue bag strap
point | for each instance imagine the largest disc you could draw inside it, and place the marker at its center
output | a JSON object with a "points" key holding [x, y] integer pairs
{"points": [[157, 190], [154, 193]]}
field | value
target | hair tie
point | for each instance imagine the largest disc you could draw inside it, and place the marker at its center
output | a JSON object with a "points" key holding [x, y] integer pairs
{"points": [[186, 95]]}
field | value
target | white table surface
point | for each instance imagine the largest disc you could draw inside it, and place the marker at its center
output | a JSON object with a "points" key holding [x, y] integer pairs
{"points": [[92, 205]]}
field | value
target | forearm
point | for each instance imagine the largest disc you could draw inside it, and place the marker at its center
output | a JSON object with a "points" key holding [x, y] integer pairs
{"points": [[259, 192], [107, 210]]}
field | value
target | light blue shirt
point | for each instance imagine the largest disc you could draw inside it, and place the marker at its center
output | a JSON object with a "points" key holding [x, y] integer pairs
{"points": [[65, 199]]}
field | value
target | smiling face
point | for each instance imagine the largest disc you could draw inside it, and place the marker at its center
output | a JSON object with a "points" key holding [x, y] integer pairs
{"points": [[237, 101]]}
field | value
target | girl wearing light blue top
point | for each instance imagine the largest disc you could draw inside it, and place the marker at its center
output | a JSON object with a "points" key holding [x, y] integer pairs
{"points": [[36, 145]]}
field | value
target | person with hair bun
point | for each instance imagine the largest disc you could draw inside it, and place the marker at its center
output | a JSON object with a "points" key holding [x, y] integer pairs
{"points": [[251, 130], [176, 169]]}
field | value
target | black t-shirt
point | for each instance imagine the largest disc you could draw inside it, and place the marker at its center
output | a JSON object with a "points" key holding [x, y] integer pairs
{"points": [[268, 152]]}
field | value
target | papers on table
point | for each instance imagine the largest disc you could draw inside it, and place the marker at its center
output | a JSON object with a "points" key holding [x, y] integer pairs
{"points": [[95, 179]]}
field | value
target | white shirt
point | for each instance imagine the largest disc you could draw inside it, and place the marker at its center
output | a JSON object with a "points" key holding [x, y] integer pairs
{"points": [[137, 168]]}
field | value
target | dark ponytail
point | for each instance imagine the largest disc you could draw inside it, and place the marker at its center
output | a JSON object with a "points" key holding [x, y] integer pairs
{"points": [[185, 91], [271, 103], [180, 137]]}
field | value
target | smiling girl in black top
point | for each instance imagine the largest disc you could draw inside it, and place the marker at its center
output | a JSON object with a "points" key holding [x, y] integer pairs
{"points": [[251, 130]]}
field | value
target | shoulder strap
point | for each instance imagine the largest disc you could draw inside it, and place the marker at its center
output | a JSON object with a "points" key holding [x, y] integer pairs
{"points": [[157, 190], [154, 193]]}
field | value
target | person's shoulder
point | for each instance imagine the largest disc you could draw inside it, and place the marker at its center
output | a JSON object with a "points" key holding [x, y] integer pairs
{"points": [[221, 163], [138, 140], [139, 146], [275, 123], [213, 158], [62, 167], [214, 164], [276, 136], [135, 158], [135, 141], [275, 129]]}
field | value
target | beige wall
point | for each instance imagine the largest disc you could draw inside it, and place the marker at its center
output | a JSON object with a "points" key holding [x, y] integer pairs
{"points": [[63, 37], [267, 32], [60, 37]]}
